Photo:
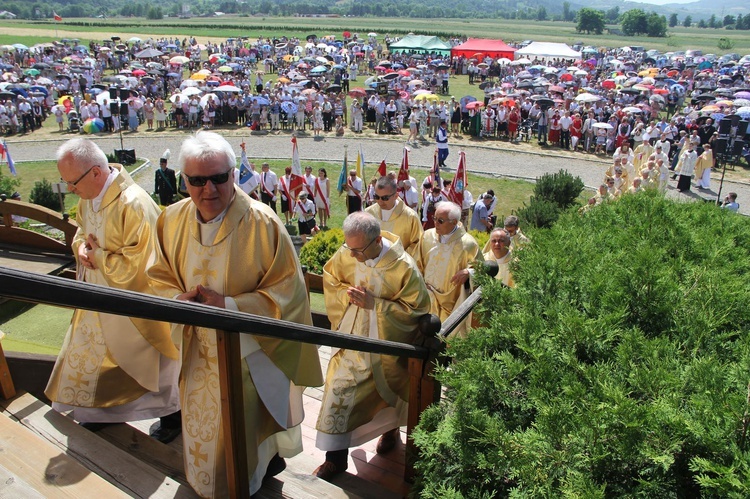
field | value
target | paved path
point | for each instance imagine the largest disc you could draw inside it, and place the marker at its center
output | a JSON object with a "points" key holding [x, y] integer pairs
{"points": [[494, 158]]}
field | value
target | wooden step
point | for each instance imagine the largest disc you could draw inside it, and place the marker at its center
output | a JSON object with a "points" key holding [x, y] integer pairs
{"points": [[32, 467], [118, 467]]}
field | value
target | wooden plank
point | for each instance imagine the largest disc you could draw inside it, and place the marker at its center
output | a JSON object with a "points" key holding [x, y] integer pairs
{"points": [[13, 487], [44, 468], [232, 413], [162, 457], [7, 390], [114, 465]]}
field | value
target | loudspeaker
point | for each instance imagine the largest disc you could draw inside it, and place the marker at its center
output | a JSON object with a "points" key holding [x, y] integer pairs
{"points": [[742, 128], [123, 108], [125, 156], [114, 108], [720, 146], [124, 94], [725, 125], [737, 147]]}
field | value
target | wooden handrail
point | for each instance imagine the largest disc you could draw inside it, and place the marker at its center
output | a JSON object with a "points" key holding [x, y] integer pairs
{"points": [[61, 292]]}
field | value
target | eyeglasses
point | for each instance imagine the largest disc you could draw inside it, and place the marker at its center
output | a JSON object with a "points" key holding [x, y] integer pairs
{"points": [[199, 181], [358, 251], [75, 182], [442, 221], [383, 198]]}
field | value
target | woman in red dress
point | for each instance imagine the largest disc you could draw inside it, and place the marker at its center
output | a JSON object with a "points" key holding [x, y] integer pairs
{"points": [[575, 131], [555, 128], [514, 119]]}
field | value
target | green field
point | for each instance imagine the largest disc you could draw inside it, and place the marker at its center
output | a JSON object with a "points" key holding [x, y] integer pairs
{"points": [[217, 28]]}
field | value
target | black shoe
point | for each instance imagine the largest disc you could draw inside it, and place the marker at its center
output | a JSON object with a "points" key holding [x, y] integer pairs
{"points": [[165, 434], [94, 427], [275, 466]]}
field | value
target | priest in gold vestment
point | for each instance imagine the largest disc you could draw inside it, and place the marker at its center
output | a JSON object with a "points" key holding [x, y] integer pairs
{"points": [[445, 255], [223, 249], [395, 217], [500, 252], [372, 289], [112, 368]]}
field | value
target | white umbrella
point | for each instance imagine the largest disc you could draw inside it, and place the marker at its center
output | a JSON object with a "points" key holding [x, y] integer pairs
{"points": [[134, 39], [204, 99], [182, 97], [741, 103], [632, 109], [522, 60], [322, 45], [586, 97], [309, 45], [43, 81], [581, 72], [744, 110], [192, 91], [606, 126], [228, 88], [372, 33], [503, 61], [188, 83]]}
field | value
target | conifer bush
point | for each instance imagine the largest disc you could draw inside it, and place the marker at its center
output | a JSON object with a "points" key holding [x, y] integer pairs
{"points": [[618, 367], [318, 250], [553, 194], [43, 195]]}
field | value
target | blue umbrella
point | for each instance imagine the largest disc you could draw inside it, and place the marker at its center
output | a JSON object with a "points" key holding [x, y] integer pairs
{"points": [[262, 101], [289, 107], [173, 75], [81, 48], [40, 89], [19, 91], [319, 70], [677, 88], [338, 66]]}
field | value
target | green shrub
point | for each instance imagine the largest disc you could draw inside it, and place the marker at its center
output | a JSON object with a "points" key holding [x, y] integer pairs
{"points": [[539, 213], [43, 195], [561, 188], [8, 185], [318, 250], [481, 236], [618, 366]]}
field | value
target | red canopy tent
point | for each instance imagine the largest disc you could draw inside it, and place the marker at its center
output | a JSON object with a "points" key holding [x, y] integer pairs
{"points": [[490, 48]]}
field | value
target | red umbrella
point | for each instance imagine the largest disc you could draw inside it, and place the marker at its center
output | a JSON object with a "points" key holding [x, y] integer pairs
{"points": [[478, 55], [380, 68], [347, 34], [139, 72], [661, 91], [474, 105], [357, 92], [610, 84], [566, 77], [555, 88], [404, 72]]}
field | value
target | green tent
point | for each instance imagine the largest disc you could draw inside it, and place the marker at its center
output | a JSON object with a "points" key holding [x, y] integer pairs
{"points": [[420, 44]]}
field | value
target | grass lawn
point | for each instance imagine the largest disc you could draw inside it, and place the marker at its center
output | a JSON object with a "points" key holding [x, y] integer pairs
{"points": [[33, 328]]}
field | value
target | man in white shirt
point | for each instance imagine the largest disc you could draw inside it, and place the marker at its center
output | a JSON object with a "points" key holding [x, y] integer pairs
{"points": [[269, 186], [565, 123], [353, 188]]}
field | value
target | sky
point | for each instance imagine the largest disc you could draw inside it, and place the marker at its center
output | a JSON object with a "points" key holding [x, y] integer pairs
{"points": [[662, 2]]}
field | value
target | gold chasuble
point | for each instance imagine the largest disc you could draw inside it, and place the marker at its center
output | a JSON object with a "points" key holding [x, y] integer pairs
{"points": [[366, 394], [248, 257], [115, 368], [403, 222], [439, 261]]}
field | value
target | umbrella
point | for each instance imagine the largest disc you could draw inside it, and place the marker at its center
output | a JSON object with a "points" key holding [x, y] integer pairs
{"points": [[318, 70], [94, 125], [425, 97], [37, 88], [545, 103], [225, 69], [520, 61], [179, 59], [475, 105], [139, 72], [742, 95], [372, 34], [657, 98], [20, 46], [228, 88], [555, 88], [390, 76], [134, 39], [632, 109], [289, 107], [661, 91], [149, 53], [587, 97], [191, 91], [358, 92], [44, 81], [741, 102], [710, 109], [32, 72], [333, 88], [606, 126]]}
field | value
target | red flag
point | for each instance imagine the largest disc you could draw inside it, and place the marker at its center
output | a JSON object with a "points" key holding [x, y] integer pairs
{"points": [[456, 192], [57, 18], [381, 169], [297, 181], [2, 151], [403, 173]]}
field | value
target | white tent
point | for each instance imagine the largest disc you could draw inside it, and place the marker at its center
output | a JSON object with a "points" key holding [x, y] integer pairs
{"points": [[547, 49]]}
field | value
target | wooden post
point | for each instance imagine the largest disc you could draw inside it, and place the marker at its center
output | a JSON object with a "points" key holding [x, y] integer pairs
{"points": [[7, 389], [232, 417], [423, 389]]}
